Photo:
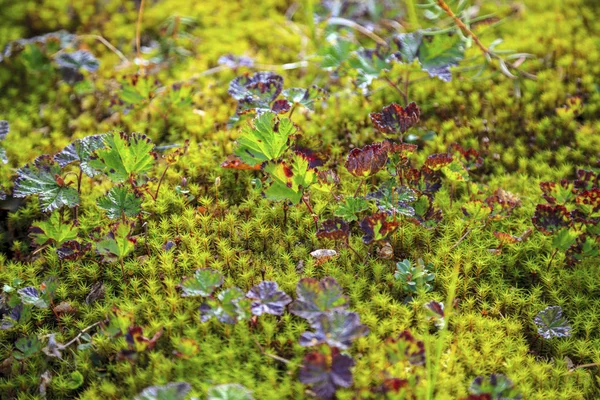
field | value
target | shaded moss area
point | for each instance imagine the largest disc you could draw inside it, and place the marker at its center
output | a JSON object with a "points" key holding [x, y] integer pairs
{"points": [[528, 131]]}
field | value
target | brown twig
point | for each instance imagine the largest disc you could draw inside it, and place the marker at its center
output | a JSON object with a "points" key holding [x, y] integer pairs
{"points": [[138, 30]]}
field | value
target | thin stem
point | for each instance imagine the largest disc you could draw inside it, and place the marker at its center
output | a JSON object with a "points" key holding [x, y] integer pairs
{"points": [[392, 84], [361, 258], [123, 268], [552, 259], [138, 29], [292, 112], [359, 186], [351, 24], [461, 239], [306, 200], [503, 64], [406, 83], [82, 332], [160, 182], [108, 45]]}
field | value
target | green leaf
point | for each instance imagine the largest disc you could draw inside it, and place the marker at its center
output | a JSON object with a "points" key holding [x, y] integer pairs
{"points": [[456, 171], [226, 308], [203, 283], [289, 181], [368, 65], [229, 391], [351, 207], [306, 97], [563, 239], [440, 52], [117, 244], [138, 90], [125, 156], [170, 391], [265, 139], [408, 46], [27, 347], [53, 230], [42, 177], [75, 380], [335, 54], [120, 201], [81, 151]]}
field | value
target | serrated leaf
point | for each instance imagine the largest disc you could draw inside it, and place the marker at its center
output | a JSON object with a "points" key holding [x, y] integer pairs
{"points": [[408, 46], [334, 229], [265, 139], [336, 54], [440, 52], [125, 156], [170, 391], [377, 227], [325, 377], [394, 200], [81, 150], [551, 323], [563, 239], [229, 391], [369, 64], [405, 348], [53, 230], [550, 218], [395, 119], [318, 297], [120, 201], [268, 299], [366, 161], [117, 244], [338, 329], [42, 178], [288, 181], [351, 207], [203, 283]]}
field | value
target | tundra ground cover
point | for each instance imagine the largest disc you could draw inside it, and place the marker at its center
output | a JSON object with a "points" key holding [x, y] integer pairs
{"points": [[290, 200]]}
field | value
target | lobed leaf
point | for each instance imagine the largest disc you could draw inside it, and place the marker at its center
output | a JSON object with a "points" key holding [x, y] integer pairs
{"points": [[338, 328], [315, 298], [265, 139], [81, 151], [42, 178], [124, 156], [268, 299], [395, 119], [551, 323], [325, 377], [376, 227], [119, 202], [368, 160], [203, 283], [288, 182]]}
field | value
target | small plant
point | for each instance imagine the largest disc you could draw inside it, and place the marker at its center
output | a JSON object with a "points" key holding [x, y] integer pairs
{"points": [[414, 278], [551, 323], [496, 386]]}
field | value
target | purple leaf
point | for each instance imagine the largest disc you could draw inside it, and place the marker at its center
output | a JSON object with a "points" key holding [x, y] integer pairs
{"points": [[316, 298], [323, 377], [337, 329], [268, 299]]}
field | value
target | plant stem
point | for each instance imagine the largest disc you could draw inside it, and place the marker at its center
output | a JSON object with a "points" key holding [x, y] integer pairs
{"points": [[411, 10], [552, 259], [402, 93], [358, 188], [123, 269], [109, 46], [489, 54], [306, 200], [357, 27], [138, 29], [160, 182]]}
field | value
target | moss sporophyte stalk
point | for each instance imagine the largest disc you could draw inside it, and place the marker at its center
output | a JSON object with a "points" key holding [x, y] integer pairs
{"points": [[312, 199]]}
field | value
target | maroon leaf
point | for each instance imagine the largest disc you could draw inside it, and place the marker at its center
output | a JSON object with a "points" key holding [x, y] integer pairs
{"points": [[503, 202], [405, 347], [438, 161], [72, 250], [323, 377], [425, 181], [281, 106], [395, 119], [368, 160], [470, 158], [550, 218], [335, 229], [377, 227], [234, 162], [314, 158]]}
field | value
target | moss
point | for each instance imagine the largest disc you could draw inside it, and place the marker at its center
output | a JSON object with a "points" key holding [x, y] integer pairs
{"points": [[525, 139]]}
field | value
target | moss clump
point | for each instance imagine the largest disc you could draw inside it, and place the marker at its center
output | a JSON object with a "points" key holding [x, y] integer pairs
{"points": [[204, 216]]}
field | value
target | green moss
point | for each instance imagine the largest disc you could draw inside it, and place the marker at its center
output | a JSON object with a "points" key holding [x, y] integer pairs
{"points": [[525, 139]]}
